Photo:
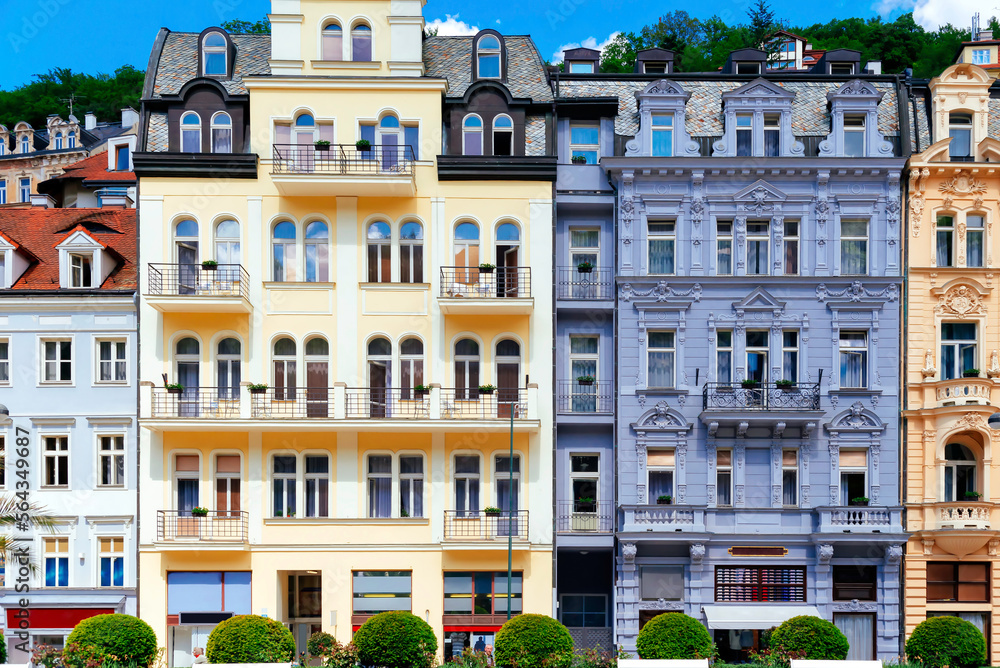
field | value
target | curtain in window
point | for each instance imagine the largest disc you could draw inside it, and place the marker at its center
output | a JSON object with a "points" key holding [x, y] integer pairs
{"points": [[661, 483], [379, 486], [852, 369], [187, 496], [661, 256], [661, 369], [860, 632], [789, 488], [854, 258]]}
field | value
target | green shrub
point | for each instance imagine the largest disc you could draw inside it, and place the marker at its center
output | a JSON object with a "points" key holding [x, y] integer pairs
{"points": [[531, 641], [114, 638], [396, 640], [674, 635], [812, 638], [250, 639], [320, 644], [947, 641]]}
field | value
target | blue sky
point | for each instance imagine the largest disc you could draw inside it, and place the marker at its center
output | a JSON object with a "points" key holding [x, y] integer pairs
{"points": [[101, 35]]}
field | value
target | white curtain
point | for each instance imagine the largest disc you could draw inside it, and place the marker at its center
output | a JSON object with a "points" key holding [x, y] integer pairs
{"points": [[860, 632]]}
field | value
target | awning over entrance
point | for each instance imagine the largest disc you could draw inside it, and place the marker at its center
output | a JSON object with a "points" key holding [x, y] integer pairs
{"points": [[761, 616]]}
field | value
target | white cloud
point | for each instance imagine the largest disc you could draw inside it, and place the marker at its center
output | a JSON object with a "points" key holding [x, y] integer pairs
{"points": [[589, 43], [932, 14], [452, 27]]}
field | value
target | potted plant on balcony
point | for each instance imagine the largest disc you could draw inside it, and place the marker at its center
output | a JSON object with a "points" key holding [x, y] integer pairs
{"points": [[174, 388], [492, 510], [487, 389], [785, 384], [585, 504], [585, 380], [585, 267], [859, 501], [322, 145], [579, 160], [199, 512], [209, 265], [289, 513], [421, 390], [970, 373], [363, 145], [257, 388], [749, 384], [664, 500], [486, 268], [972, 496]]}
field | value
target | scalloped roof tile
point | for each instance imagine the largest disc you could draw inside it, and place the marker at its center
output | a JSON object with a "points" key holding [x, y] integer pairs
{"points": [[178, 62], [451, 58]]}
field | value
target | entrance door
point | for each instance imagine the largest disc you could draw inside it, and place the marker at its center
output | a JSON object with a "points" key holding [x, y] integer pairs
{"points": [[317, 376], [188, 269], [860, 632], [188, 377]]}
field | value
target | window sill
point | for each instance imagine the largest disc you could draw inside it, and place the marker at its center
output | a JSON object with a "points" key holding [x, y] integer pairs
{"points": [[665, 391], [855, 392], [347, 64], [333, 521], [308, 285], [395, 285]]}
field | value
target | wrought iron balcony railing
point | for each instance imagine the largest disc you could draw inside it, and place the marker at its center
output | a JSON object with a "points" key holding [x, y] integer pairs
{"points": [[477, 525], [206, 403], [387, 402], [576, 397], [293, 402], [475, 283], [583, 516], [471, 404], [761, 397], [219, 526], [343, 160], [571, 283], [225, 280]]}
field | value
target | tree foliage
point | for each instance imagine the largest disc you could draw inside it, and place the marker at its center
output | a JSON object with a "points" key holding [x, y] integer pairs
{"points": [[115, 638], [243, 27], [533, 641], [395, 640], [947, 641]]}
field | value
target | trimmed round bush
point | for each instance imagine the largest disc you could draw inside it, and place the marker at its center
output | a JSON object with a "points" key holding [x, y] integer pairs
{"points": [[674, 635], [531, 641], [250, 639], [320, 643], [806, 637], [115, 638], [947, 641], [395, 640]]}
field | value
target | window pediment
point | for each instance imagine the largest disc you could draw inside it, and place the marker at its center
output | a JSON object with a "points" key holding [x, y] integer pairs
{"points": [[759, 300], [758, 122], [661, 422], [667, 101], [759, 197], [757, 91], [857, 419], [858, 100], [961, 299]]}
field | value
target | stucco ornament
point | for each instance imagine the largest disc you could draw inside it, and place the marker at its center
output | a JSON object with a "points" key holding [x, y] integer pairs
{"points": [[928, 371], [628, 552], [856, 291], [963, 184], [854, 605], [662, 417], [994, 369], [893, 554], [856, 418], [661, 292], [697, 553], [970, 421], [662, 604], [962, 300], [825, 553]]}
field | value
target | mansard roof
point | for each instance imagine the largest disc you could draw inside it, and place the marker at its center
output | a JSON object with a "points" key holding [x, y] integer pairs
{"points": [[174, 62], [451, 58]]}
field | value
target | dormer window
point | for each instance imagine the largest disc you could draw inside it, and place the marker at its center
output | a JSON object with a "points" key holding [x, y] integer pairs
{"points": [[772, 135], [748, 68], [654, 68], [472, 135], [503, 135], [663, 135], [361, 43], [213, 55], [222, 133], [488, 57], [842, 68], [960, 131], [333, 41], [25, 145], [80, 270], [854, 136], [121, 158], [72, 139], [581, 67], [744, 135], [190, 133], [59, 141]]}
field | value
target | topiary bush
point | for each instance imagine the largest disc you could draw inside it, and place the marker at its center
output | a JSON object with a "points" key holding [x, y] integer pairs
{"points": [[320, 644], [250, 639], [812, 638], [674, 635], [113, 638], [532, 641], [947, 641], [396, 640]]}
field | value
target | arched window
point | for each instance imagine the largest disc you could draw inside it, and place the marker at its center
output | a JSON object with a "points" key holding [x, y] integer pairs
{"points": [[411, 253], [379, 252], [317, 252], [466, 369], [503, 135], [388, 138], [283, 251], [472, 135], [213, 54], [361, 43], [411, 358], [508, 251], [508, 363], [222, 133], [467, 245], [187, 358], [333, 41], [317, 377], [186, 253], [959, 473], [227, 249], [304, 137], [284, 369], [72, 138], [379, 375], [59, 140], [228, 360], [190, 132], [25, 144], [488, 57]]}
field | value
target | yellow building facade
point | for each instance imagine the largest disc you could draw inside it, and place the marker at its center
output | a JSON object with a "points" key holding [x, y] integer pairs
{"points": [[399, 372], [952, 343]]}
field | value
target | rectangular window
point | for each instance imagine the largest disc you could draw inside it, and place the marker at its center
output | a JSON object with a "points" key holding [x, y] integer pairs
{"points": [[411, 486], [3, 472], [411, 137], [379, 486], [661, 238], [734, 584], [663, 134], [981, 56], [724, 356], [791, 243], [660, 359], [381, 591], [24, 190], [748, 68], [112, 359], [744, 135], [584, 610], [757, 345], [660, 473], [112, 460], [112, 562], [945, 241], [466, 485], [584, 475], [583, 362], [305, 593], [789, 478], [772, 135], [854, 247], [379, 262], [317, 486], [56, 562], [974, 240], [960, 131], [584, 246], [724, 245], [854, 136], [854, 582], [585, 141], [4, 361], [283, 486], [3, 190], [724, 477], [958, 349], [853, 360], [481, 593], [228, 474], [661, 582], [80, 270], [958, 582], [581, 67], [758, 242], [853, 476], [57, 361], [56, 461], [121, 158], [842, 68], [790, 355]]}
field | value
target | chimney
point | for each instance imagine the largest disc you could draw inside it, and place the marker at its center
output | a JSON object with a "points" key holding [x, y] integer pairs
{"points": [[43, 201], [89, 121], [873, 67], [129, 117], [984, 35], [114, 198]]}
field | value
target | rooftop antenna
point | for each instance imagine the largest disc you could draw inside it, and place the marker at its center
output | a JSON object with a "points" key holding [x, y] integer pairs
{"points": [[975, 27], [73, 97]]}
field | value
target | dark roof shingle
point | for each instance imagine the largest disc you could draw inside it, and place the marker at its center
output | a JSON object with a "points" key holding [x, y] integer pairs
{"points": [[178, 62], [451, 58]]}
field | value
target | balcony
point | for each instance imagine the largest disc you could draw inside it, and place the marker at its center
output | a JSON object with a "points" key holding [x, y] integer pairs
{"points": [[963, 515], [473, 526], [574, 285], [668, 517], [471, 404], [860, 519], [191, 288], [343, 169], [293, 403], [582, 517], [962, 392], [196, 403], [763, 397], [576, 398], [218, 528], [473, 291], [387, 403]]}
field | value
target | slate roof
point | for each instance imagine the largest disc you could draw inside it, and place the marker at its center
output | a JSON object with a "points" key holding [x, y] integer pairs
{"points": [[921, 127], [993, 128], [178, 62], [704, 118], [156, 133], [37, 231], [451, 58]]}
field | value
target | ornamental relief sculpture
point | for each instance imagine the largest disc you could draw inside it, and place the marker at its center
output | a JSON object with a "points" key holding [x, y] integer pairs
{"points": [[961, 300], [963, 184]]}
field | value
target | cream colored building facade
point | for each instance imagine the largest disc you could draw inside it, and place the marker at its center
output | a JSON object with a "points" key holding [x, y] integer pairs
{"points": [[348, 282], [952, 347]]}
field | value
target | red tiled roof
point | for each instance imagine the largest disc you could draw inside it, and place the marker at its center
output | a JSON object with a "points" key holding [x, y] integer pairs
{"points": [[790, 34], [37, 231], [94, 168]]}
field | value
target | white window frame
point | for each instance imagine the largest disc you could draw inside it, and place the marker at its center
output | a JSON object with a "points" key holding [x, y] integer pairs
{"points": [[723, 235], [3, 190], [289, 254], [57, 454], [477, 476], [942, 232], [670, 350], [284, 477], [793, 350], [723, 349], [591, 476], [658, 468], [772, 123], [662, 129], [854, 350], [407, 248], [763, 242], [854, 470], [504, 130], [662, 233], [317, 477], [192, 128], [790, 470], [764, 350], [5, 377], [793, 229], [467, 129], [46, 556], [498, 52], [410, 478], [228, 476], [114, 362], [723, 468], [980, 231], [206, 50], [505, 476], [24, 189], [78, 269], [981, 56], [213, 126], [585, 148], [852, 126], [958, 345], [113, 555], [865, 239], [113, 454], [747, 128], [369, 476], [43, 362]]}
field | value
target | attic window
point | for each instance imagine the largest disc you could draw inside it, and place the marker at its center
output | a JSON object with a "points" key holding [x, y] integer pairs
{"points": [[960, 131], [25, 145], [213, 52], [657, 67], [842, 68], [581, 67], [748, 68], [80, 270], [488, 57]]}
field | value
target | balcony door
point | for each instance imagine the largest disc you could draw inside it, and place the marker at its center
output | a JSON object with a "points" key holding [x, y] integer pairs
{"points": [[508, 246], [388, 136], [508, 360], [188, 375], [186, 251], [583, 363], [379, 376], [584, 246], [507, 474], [227, 254], [317, 378], [305, 139]]}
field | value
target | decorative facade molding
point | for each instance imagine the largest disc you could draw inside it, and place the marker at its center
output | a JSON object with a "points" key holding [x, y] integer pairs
{"points": [[855, 606], [661, 292], [961, 300], [856, 292]]}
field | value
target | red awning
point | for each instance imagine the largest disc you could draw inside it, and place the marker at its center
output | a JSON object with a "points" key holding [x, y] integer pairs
{"points": [[51, 618]]}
